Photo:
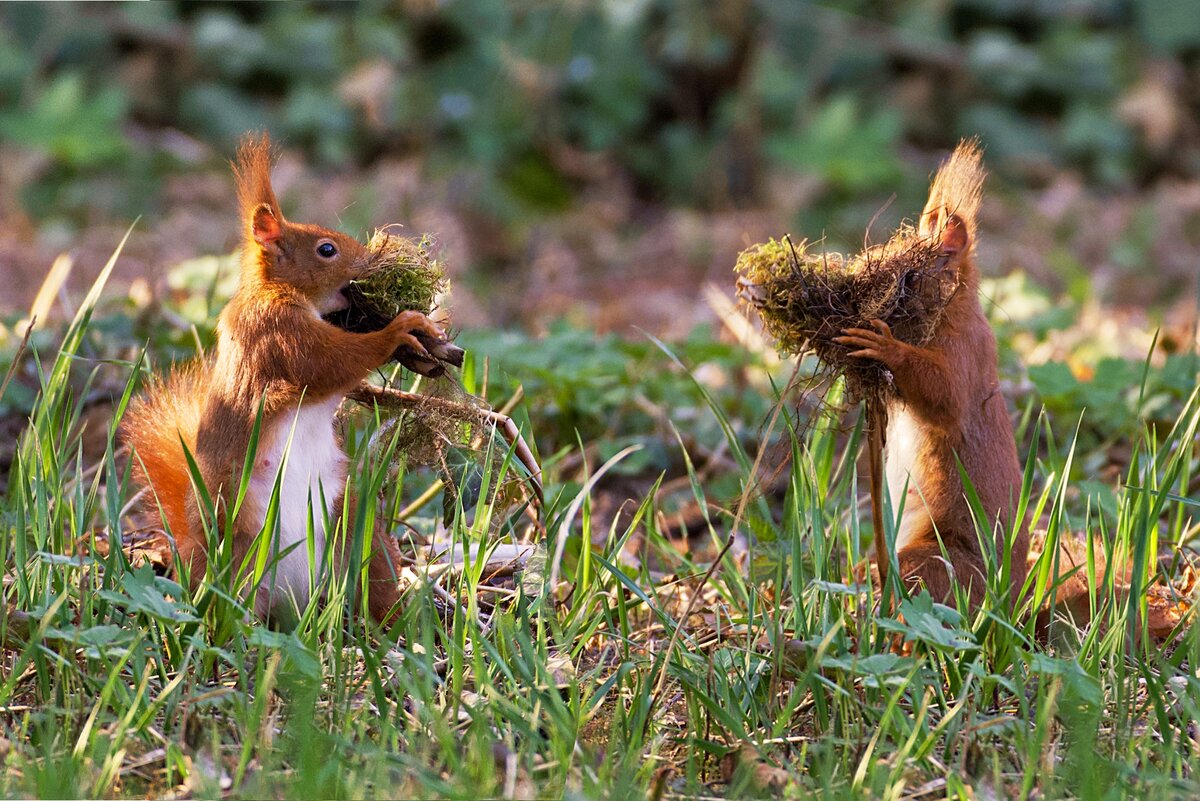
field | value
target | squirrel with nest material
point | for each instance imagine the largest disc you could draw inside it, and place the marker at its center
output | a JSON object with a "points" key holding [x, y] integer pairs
{"points": [[903, 325], [948, 410], [901, 322], [276, 357]]}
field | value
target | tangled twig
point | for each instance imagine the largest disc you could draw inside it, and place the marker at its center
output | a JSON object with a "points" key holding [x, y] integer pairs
{"points": [[388, 397]]}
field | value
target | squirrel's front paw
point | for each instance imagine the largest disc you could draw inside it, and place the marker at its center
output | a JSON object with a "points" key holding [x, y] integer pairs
{"points": [[878, 344], [423, 347], [414, 321]]}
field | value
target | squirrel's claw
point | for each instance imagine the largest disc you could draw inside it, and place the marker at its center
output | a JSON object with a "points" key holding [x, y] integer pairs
{"points": [[408, 340], [883, 328]]}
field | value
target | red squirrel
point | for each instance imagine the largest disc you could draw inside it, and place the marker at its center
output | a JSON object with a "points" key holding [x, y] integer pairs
{"points": [[273, 350], [947, 410]]}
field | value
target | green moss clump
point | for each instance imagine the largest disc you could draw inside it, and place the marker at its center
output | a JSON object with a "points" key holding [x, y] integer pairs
{"points": [[773, 273], [402, 275], [399, 275]]}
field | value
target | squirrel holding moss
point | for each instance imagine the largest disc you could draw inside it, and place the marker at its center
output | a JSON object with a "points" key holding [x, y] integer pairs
{"points": [[277, 357], [947, 411]]}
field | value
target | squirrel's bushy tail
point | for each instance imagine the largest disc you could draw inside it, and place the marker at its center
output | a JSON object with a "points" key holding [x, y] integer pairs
{"points": [[1168, 602], [157, 426]]}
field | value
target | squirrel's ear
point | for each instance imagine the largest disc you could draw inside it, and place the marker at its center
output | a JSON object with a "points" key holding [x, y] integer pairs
{"points": [[949, 228], [265, 227]]}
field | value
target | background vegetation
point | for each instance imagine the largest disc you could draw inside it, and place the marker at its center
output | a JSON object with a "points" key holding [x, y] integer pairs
{"points": [[589, 168]]}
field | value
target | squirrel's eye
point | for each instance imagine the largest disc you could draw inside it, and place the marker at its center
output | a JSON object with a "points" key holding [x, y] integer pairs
{"points": [[326, 250]]}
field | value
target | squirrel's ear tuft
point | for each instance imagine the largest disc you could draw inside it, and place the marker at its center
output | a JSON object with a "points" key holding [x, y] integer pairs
{"points": [[265, 226], [252, 170], [955, 195]]}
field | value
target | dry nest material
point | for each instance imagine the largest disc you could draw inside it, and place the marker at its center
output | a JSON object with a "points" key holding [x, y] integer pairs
{"points": [[441, 419], [426, 428], [806, 299]]}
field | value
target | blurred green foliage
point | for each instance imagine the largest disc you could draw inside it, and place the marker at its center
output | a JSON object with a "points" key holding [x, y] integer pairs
{"points": [[616, 392], [697, 103]]}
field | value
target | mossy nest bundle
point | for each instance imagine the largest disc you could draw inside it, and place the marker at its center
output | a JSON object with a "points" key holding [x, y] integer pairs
{"points": [[447, 429], [447, 419], [806, 299], [401, 275]]}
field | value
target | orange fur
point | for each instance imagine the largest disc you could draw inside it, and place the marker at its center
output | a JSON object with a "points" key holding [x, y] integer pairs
{"points": [[957, 190], [252, 174], [160, 424], [274, 350], [949, 410]]}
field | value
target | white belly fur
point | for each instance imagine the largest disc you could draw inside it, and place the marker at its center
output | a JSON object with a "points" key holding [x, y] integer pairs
{"points": [[313, 478], [904, 442]]}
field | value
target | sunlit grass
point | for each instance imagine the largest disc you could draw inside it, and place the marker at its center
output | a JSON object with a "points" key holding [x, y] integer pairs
{"points": [[770, 671]]}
